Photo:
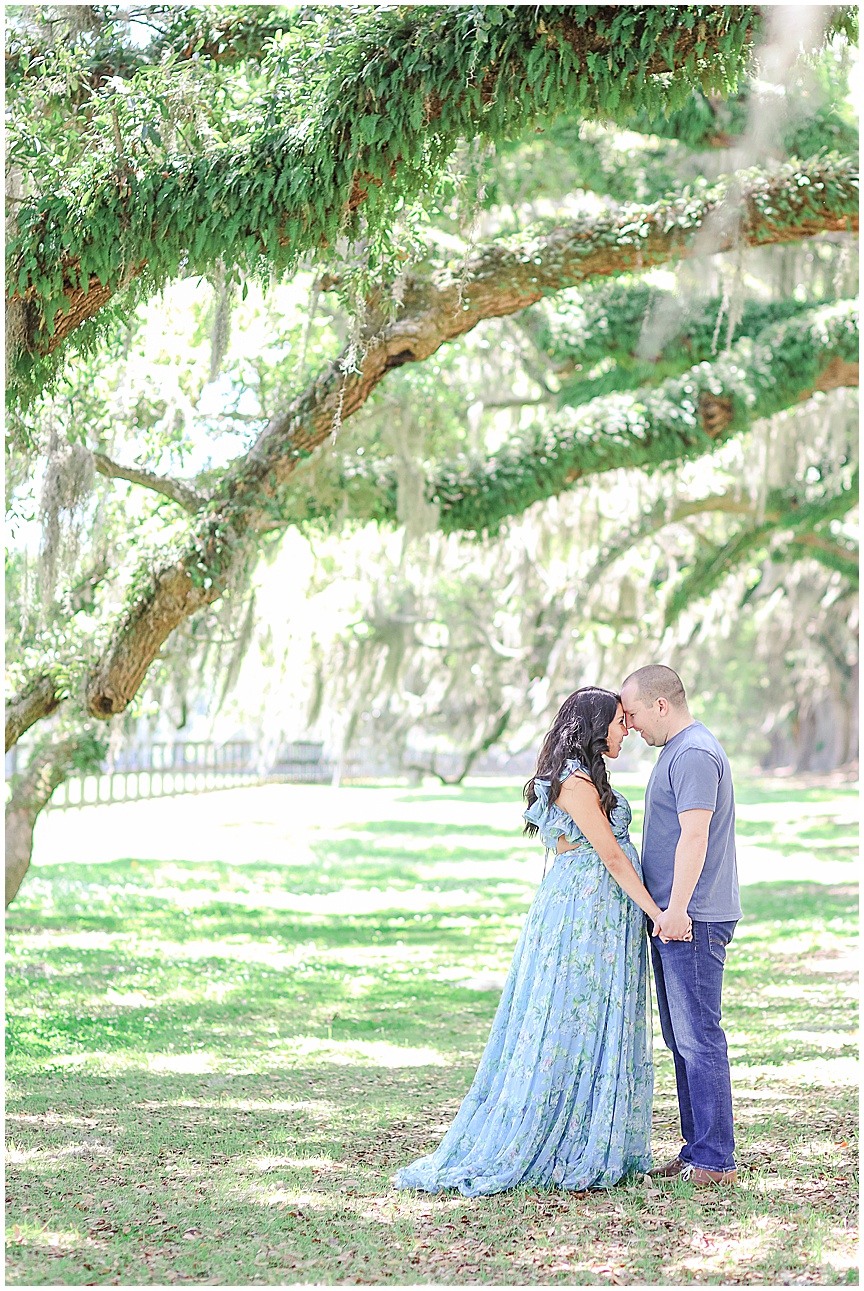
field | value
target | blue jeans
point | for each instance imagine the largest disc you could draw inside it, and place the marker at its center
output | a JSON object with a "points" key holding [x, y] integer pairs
{"points": [[689, 980]]}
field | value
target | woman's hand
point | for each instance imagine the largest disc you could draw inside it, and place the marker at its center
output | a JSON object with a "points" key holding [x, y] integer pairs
{"points": [[671, 925]]}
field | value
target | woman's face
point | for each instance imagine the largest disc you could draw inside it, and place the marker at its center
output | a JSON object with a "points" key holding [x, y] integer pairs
{"points": [[617, 733]]}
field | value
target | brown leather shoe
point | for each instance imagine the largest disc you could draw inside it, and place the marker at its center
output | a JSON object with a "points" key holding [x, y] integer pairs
{"points": [[670, 1170], [709, 1178]]}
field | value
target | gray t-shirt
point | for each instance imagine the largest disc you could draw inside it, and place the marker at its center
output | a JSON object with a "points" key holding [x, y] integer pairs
{"points": [[692, 771]]}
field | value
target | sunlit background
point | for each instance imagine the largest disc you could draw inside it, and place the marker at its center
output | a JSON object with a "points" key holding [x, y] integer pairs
{"points": [[246, 990], [396, 644]]}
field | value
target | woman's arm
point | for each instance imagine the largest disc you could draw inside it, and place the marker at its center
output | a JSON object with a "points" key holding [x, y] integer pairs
{"points": [[580, 799]]}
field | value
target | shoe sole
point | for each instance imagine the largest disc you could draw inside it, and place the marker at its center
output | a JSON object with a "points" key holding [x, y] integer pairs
{"points": [[697, 1183], [666, 1172]]}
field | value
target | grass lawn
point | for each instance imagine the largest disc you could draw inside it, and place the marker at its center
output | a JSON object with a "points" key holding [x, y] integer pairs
{"points": [[232, 1016]]}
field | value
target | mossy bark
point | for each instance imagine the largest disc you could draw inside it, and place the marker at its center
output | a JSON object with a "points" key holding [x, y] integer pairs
{"points": [[39, 699], [406, 86], [499, 280], [681, 418], [47, 769]]}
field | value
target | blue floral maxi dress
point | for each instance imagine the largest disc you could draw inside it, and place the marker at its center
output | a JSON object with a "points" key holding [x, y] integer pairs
{"points": [[563, 1092]]}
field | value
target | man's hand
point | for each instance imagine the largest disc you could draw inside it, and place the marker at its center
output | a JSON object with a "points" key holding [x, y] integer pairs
{"points": [[674, 925]]}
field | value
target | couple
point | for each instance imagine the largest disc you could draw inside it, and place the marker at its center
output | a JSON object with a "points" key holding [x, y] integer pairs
{"points": [[563, 1092]]}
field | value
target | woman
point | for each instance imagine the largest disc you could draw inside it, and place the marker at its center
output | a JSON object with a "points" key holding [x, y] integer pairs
{"points": [[563, 1091]]}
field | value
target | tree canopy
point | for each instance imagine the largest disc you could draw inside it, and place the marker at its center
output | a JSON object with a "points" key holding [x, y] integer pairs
{"points": [[378, 100], [495, 192]]}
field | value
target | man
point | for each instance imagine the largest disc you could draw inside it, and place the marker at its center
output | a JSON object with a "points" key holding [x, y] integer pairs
{"points": [[689, 867]]}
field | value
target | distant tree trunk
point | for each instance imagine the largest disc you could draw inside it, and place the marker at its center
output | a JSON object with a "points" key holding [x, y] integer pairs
{"points": [[343, 747], [48, 768], [804, 735], [820, 734], [852, 715], [778, 749], [826, 730], [844, 693], [821, 731], [498, 729]]}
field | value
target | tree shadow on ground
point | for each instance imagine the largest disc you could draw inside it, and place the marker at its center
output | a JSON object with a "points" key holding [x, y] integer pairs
{"points": [[192, 1178], [211, 1092]]}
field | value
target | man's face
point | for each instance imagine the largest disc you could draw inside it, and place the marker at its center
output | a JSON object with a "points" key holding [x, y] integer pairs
{"points": [[648, 719]]}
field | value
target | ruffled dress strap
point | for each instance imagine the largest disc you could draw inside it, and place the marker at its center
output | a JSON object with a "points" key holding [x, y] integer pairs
{"points": [[551, 820], [571, 765]]}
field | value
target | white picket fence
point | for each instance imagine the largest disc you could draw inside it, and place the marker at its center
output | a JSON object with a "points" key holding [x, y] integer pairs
{"points": [[164, 770]]}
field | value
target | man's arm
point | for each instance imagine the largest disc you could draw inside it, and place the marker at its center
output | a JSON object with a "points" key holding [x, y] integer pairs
{"points": [[689, 860], [580, 799]]}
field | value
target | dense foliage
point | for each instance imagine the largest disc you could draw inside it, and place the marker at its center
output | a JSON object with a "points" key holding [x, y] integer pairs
{"points": [[684, 417], [524, 394], [364, 107]]}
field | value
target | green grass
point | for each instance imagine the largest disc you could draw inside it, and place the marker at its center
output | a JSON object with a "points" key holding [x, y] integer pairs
{"points": [[215, 1067]]}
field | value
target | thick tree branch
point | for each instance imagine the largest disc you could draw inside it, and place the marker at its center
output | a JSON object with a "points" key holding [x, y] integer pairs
{"points": [[181, 493], [841, 372], [503, 279], [713, 121], [606, 321], [49, 765], [500, 281], [787, 514], [41, 697], [683, 417], [788, 206], [363, 143]]}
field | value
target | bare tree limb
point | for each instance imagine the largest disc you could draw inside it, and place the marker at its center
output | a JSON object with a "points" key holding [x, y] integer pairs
{"points": [[39, 699], [492, 736], [661, 515], [183, 494]]}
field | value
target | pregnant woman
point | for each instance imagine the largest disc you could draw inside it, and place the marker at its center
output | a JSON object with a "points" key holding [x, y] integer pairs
{"points": [[563, 1092]]}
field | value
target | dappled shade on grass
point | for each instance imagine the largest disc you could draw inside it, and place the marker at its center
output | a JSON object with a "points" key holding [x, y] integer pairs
{"points": [[207, 1085]]}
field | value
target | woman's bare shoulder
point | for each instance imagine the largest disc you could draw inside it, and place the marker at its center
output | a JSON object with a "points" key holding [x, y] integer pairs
{"points": [[580, 783]]}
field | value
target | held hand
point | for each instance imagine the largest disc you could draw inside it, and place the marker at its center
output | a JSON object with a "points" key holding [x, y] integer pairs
{"points": [[673, 926]]}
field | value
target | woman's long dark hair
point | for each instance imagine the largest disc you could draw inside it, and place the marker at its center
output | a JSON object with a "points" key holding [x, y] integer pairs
{"points": [[580, 730]]}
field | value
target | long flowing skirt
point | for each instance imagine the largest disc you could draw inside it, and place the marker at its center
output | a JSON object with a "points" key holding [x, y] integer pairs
{"points": [[563, 1092]]}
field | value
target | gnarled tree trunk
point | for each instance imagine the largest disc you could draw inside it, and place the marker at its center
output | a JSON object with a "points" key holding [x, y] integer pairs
{"points": [[48, 768]]}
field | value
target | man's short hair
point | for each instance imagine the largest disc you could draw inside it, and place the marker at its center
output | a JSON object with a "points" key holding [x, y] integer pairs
{"points": [[656, 681]]}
